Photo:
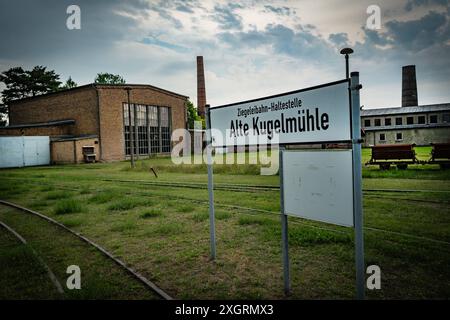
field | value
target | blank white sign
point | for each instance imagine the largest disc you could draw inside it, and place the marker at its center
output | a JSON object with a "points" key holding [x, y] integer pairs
{"points": [[318, 185]]}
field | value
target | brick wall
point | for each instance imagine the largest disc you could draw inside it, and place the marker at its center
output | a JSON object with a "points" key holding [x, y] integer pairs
{"points": [[38, 131], [71, 151], [79, 104], [111, 101]]}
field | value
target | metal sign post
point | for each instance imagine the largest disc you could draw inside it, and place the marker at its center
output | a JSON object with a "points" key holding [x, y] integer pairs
{"points": [[212, 228], [323, 185], [357, 184], [284, 228]]}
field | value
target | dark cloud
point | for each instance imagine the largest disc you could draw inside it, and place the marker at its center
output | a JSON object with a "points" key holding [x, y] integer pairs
{"points": [[283, 11], [227, 18], [36, 29], [416, 35], [339, 39], [412, 36], [282, 40], [184, 8], [411, 4], [164, 8], [164, 44]]}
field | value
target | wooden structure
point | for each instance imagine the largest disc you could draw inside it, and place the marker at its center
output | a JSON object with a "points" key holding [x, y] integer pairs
{"points": [[399, 154], [440, 154]]}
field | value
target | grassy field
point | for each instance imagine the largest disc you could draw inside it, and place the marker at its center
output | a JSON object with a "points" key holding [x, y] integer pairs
{"points": [[162, 231]]}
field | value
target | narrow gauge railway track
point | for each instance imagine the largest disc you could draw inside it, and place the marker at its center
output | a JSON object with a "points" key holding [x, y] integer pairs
{"points": [[253, 211], [50, 273], [236, 187], [247, 187], [150, 285]]}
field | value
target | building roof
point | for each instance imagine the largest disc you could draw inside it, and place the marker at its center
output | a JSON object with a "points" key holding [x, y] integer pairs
{"points": [[405, 110], [41, 124], [104, 86]]}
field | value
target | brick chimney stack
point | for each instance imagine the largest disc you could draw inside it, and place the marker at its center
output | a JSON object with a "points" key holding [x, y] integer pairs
{"points": [[201, 91], [409, 86]]}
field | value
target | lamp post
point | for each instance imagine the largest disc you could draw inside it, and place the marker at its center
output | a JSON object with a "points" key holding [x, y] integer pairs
{"points": [[130, 131], [347, 52]]}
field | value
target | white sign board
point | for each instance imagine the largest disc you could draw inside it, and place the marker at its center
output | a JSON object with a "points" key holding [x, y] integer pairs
{"points": [[316, 114], [318, 185]]}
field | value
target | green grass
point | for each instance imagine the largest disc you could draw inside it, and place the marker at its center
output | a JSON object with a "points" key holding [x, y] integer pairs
{"points": [[152, 213], [164, 231], [68, 206], [56, 195], [123, 204], [23, 277]]}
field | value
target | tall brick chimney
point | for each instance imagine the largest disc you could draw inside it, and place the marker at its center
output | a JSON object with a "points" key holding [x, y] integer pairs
{"points": [[201, 91], [409, 86]]}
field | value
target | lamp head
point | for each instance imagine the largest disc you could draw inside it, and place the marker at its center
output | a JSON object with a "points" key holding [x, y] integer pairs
{"points": [[346, 51]]}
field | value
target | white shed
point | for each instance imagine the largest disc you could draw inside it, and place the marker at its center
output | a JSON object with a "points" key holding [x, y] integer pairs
{"points": [[24, 151]]}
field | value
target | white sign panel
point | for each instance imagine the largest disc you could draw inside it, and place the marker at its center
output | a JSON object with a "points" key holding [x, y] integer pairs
{"points": [[316, 114], [318, 185]]}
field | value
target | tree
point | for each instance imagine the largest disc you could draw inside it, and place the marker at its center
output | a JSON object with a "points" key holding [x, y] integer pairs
{"points": [[22, 83], [41, 81], [3, 114], [192, 115], [109, 78], [69, 84]]}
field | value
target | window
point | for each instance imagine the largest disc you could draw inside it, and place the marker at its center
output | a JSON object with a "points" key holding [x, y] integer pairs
{"points": [[154, 128], [421, 120], [142, 133], [446, 117], [152, 131], [387, 121], [398, 121], [367, 123], [399, 136], [382, 137], [377, 122], [165, 129], [433, 118], [126, 125], [410, 120]]}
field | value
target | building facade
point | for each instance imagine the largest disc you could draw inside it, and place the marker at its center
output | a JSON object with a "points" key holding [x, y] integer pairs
{"points": [[98, 115], [421, 125]]}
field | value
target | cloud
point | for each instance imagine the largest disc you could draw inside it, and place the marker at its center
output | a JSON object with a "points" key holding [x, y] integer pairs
{"points": [[227, 18], [411, 4], [152, 40], [282, 11], [339, 39], [416, 35], [251, 48]]}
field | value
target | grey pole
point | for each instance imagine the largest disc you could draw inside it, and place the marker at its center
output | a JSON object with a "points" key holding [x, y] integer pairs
{"points": [[136, 136], [346, 52], [129, 127], [212, 228], [346, 66], [357, 185], [284, 227]]}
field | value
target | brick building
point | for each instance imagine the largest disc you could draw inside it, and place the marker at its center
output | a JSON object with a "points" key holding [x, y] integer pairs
{"points": [[97, 115]]}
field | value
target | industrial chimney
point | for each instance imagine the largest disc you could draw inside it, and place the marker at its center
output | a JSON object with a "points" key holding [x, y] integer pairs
{"points": [[201, 91], [409, 86]]}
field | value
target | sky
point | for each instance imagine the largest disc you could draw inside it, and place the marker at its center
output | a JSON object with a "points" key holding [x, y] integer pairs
{"points": [[251, 48]]}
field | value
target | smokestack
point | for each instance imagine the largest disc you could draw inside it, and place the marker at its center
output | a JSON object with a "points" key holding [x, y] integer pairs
{"points": [[201, 91], [409, 86]]}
